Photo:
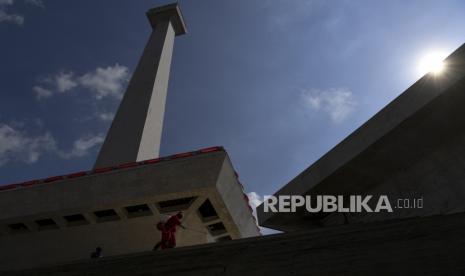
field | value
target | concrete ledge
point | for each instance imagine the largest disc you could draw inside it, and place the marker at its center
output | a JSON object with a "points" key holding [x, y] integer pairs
{"points": [[408, 146], [174, 12], [66, 219], [427, 246]]}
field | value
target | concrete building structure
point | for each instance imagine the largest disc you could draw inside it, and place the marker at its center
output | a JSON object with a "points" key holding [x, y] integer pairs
{"points": [[419, 246], [135, 133], [117, 205], [64, 218], [412, 148]]}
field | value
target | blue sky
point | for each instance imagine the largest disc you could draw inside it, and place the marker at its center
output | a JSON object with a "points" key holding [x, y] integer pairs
{"points": [[276, 82]]}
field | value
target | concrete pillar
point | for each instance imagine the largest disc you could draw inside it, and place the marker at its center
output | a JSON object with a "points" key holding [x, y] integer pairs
{"points": [[135, 133]]}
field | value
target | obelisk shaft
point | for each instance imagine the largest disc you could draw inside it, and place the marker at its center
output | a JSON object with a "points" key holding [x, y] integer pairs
{"points": [[135, 133]]}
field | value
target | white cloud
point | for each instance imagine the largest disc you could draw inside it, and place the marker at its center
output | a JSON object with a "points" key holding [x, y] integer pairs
{"points": [[82, 146], [338, 103], [17, 146], [42, 93], [12, 18], [106, 116], [254, 199], [38, 3], [6, 2], [65, 82], [289, 12], [103, 82], [106, 82]]}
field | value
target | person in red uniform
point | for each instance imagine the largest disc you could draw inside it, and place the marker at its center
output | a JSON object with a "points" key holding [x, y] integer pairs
{"points": [[168, 232]]}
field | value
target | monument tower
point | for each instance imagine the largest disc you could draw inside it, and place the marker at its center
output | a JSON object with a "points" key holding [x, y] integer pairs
{"points": [[135, 133], [412, 147], [116, 205]]}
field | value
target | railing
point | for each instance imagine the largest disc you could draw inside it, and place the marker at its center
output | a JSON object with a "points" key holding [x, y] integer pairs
{"points": [[108, 169]]}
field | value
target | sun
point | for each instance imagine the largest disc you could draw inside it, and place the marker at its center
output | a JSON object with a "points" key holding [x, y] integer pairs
{"points": [[432, 62]]}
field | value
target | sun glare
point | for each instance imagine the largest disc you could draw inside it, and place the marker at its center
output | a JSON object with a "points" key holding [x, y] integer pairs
{"points": [[432, 62]]}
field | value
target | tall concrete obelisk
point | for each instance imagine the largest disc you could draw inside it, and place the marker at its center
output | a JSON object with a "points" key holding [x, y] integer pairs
{"points": [[135, 133]]}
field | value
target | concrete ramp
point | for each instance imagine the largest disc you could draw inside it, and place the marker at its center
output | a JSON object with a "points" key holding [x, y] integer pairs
{"points": [[418, 246]]}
